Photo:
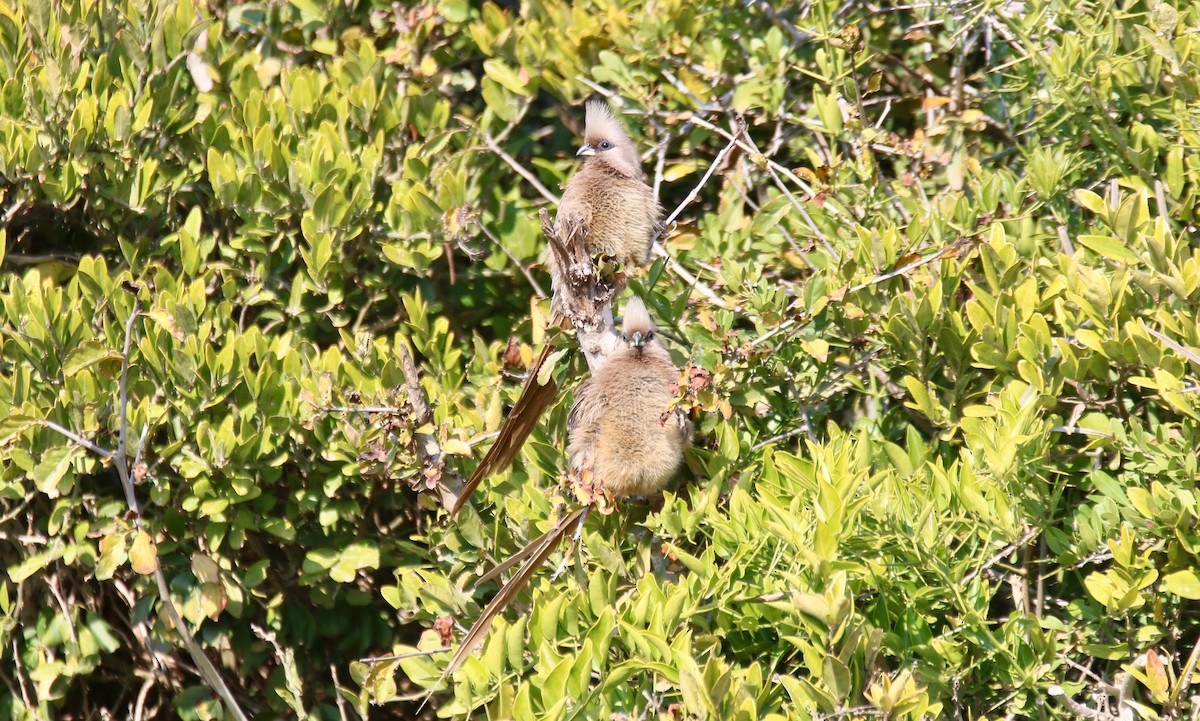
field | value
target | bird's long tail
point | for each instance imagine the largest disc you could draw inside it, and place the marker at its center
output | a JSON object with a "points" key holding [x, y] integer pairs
{"points": [[535, 554], [535, 398]]}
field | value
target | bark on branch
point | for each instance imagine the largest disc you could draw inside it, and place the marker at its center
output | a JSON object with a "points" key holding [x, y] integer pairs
{"points": [[583, 295]]}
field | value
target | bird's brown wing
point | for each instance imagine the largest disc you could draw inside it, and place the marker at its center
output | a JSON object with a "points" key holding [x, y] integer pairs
{"points": [[583, 424], [535, 398]]}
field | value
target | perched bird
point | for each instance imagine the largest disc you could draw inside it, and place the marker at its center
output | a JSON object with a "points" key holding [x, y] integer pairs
{"points": [[623, 436], [608, 204], [624, 440], [608, 196]]}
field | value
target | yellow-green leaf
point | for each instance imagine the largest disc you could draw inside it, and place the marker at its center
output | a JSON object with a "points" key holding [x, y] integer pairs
{"points": [[143, 555]]}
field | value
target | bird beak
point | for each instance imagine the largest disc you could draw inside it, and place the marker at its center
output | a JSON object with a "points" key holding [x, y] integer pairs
{"points": [[637, 340], [585, 149]]}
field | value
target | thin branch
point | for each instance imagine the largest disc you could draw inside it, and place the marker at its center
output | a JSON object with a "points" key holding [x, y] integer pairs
{"points": [[673, 265], [798, 430], [733, 141], [830, 205], [520, 170], [360, 409], [412, 386], [14, 209], [341, 702], [428, 450], [137, 456], [1188, 353], [52, 584], [122, 437], [798, 38], [139, 707], [20, 669], [1001, 555], [943, 251], [102, 452], [1077, 430], [399, 656], [691, 280], [525, 271], [1185, 678], [660, 162]]}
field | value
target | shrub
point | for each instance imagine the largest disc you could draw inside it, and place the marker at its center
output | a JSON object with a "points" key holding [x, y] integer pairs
{"points": [[270, 261]]}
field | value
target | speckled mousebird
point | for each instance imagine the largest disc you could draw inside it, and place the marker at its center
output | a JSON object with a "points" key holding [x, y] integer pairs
{"points": [[608, 195], [609, 198], [622, 434]]}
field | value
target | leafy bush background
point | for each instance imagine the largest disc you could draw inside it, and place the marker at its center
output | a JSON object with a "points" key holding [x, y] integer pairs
{"points": [[934, 492]]}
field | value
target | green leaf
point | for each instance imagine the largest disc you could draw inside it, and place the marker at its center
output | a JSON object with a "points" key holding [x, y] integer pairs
{"points": [[32, 564], [90, 353], [1110, 248], [354, 557], [500, 72], [1092, 202], [53, 467], [1185, 584], [112, 554], [547, 368]]}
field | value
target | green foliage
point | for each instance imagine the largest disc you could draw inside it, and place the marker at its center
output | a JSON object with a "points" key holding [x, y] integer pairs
{"points": [[945, 459]]}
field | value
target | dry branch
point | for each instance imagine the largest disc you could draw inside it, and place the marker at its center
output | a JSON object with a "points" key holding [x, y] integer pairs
{"points": [[585, 296]]}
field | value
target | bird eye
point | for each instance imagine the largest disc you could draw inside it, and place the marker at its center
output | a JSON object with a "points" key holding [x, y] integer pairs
{"points": [[650, 335], [605, 145]]}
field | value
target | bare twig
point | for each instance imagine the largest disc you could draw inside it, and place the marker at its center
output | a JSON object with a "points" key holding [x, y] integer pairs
{"points": [[139, 707], [428, 450], [830, 204], [14, 209], [361, 409], [1077, 430], [412, 386], [337, 693], [691, 280], [1001, 555], [1185, 678], [1182, 350], [20, 669], [102, 452], [733, 141], [399, 656], [525, 271], [123, 418], [658, 249], [941, 252], [660, 162], [519, 169], [52, 584], [1121, 688], [768, 9]]}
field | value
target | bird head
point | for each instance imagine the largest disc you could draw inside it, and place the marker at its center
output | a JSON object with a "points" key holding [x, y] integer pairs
{"points": [[605, 141], [638, 328]]}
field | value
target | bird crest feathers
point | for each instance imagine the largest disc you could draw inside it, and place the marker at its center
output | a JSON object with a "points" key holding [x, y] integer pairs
{"points": [[637, 318], [602, 124]]}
